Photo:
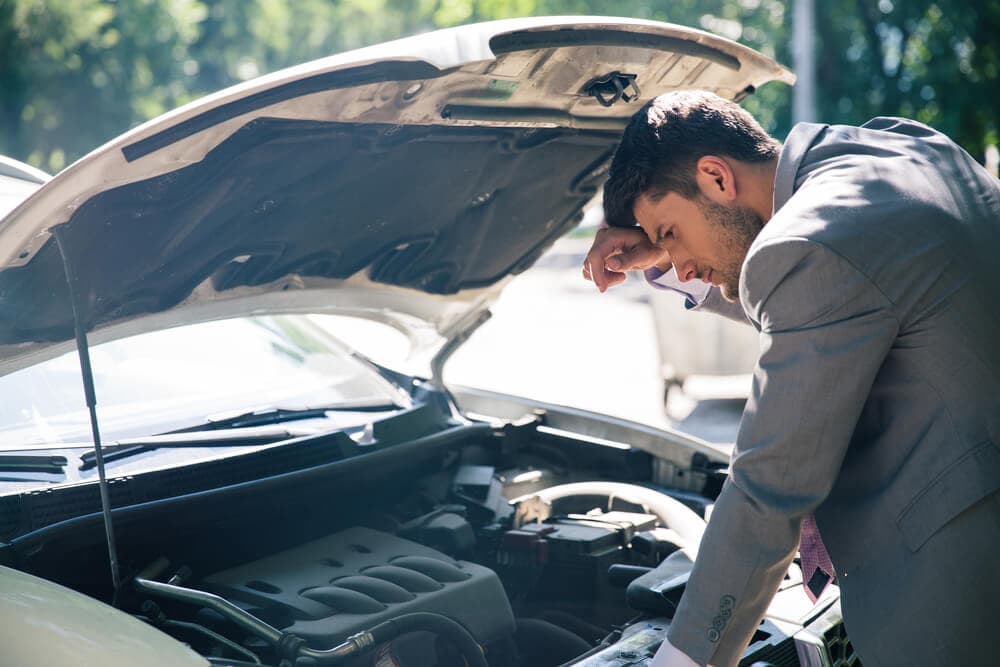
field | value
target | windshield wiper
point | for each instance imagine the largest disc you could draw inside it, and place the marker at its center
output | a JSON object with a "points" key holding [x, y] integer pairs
{"points": [[256, 427], [277, 415], [126, 447], [29, 463]]}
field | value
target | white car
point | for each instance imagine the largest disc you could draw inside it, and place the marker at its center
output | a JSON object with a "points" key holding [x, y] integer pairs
{"points": [[263, 494]]}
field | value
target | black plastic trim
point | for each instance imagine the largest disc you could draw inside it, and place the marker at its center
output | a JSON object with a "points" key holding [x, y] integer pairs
{"points": [[411, 452]]}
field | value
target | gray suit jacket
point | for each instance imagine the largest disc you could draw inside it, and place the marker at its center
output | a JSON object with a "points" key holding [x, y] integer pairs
{"points": [[875, 403]]}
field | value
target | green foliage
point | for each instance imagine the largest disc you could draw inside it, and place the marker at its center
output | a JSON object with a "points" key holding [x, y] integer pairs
{"points": [[76, 73], [936, 62]]}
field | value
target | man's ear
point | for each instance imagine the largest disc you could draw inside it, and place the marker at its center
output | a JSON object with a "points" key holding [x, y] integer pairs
{"points": [[716, 179]]}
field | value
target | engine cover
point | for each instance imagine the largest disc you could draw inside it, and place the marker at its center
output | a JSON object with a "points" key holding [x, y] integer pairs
{"points": [[329, 589]]}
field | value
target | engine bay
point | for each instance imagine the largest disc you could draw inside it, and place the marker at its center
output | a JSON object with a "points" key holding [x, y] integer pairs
{"points": [[544, 549], [542, 593]]}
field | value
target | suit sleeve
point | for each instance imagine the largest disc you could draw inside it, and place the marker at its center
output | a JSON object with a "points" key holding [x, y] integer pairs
{"points": [[714, 302], [826, 330]]}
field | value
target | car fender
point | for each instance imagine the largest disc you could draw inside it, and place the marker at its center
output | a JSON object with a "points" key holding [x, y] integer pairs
{"points": [[43, 624]]}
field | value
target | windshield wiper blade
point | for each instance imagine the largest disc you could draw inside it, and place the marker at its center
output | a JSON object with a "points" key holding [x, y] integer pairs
{"points": [[111, 453], [29, 463], [276, 415], [126, 447]]}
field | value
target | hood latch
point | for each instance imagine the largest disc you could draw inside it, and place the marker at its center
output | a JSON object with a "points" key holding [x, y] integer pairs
{"points": [[610, 88]]}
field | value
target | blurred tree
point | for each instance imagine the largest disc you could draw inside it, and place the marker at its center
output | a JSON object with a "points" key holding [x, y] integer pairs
{"points": [[937, 62], [75, 73]]}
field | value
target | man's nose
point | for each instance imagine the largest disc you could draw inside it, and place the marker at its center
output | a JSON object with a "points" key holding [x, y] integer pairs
{"points": [[684, 266]]}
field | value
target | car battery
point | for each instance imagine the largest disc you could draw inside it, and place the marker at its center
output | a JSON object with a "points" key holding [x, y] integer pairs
{"points": [[567, 557]]}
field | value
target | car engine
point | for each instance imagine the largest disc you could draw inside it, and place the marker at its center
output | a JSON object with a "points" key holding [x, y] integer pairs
{"points": [[543, 592], [508, 545]]}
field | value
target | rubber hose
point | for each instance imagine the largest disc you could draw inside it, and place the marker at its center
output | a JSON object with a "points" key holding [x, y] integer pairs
{"points": [[677, 516], [436, 623]]}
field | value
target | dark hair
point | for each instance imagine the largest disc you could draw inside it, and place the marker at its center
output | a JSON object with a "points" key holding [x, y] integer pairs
{"points": [[664, 141]]}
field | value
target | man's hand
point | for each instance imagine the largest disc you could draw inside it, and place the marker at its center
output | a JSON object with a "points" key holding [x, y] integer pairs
{"points": [[671, 656], [619, 249]]}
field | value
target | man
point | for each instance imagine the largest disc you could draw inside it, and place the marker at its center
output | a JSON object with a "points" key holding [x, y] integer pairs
{"points": [[869, 260]]}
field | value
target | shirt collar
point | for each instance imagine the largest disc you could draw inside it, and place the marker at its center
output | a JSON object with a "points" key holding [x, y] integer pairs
{"points": [[798, 142]]}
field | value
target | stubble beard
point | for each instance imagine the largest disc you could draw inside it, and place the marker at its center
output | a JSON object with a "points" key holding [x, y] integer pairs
{"points": [[736, 229]]}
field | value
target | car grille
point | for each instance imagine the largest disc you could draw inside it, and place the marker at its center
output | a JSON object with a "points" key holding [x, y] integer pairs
{"points": [[839, 648], [782, 654]]}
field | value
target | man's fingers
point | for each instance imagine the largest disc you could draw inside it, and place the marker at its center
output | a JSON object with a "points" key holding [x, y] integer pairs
{"points": [[615, 251], [614, 279], [636, 258], [602, 277], [594, 269]]}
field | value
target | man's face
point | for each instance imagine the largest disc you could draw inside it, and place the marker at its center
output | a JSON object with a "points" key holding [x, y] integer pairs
{"points": [[705, 240]]}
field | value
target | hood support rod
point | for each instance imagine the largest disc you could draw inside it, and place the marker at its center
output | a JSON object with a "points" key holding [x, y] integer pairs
{"points": [[91, 396]]}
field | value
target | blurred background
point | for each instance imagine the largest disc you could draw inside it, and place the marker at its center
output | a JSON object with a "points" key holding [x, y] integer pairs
{"points": [[77, 73]]}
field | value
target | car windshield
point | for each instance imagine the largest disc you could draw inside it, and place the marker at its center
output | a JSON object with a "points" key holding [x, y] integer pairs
{"points": [[180, 377]]}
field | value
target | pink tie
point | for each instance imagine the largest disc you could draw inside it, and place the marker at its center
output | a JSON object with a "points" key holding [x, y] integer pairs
{"points": [[817, 570]]}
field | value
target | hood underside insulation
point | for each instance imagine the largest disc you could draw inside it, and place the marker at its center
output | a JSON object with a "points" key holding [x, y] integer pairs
{"points": [[438, 209]]}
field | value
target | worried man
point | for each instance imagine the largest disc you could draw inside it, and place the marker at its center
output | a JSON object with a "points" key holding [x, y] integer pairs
{"points": [[868, 258]]}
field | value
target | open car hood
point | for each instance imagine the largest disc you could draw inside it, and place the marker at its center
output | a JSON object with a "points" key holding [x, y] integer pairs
{"points": [[406, 179]]}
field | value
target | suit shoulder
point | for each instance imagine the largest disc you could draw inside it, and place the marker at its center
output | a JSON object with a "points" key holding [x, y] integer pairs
{"points": [[795, 282]]}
